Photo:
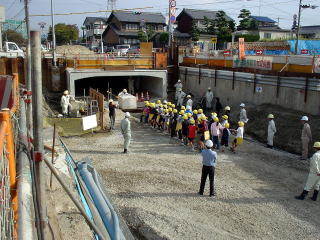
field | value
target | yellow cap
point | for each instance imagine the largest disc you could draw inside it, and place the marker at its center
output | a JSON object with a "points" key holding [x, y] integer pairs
{"points": [[241, 124], [158, 102], [183, 108], [203, 117], [195, 111], [172, 105], [175, 110], [225, 117], [214, 114], [189, 115], [216, 119], [192, 121], [200, 111], [153, 105], [181, 112], [165, 106], [316, 145], [160, 105], [170, 109], [227, 125], [169, 103], [185, 117]]}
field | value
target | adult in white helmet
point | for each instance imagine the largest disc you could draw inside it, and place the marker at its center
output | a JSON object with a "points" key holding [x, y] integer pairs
{"points": [[313, 181], [243, 113], [271, 130], [65, 103], [209, 161], [125, 127], [189, 102], [209, 98], [181, 95], [306, 137], [178, 86], [124, 92]]}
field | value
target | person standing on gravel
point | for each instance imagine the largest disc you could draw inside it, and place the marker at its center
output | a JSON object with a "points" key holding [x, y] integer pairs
{"points": [[112, 113], [243, 113], [313, 181], [271, 130], [209, 161], [125, 127], [65, 103], [178, 86], [306, 137]]}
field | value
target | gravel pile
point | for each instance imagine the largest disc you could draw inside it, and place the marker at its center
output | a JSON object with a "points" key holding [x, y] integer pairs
{"points": [[155, 188], [73, 49]]}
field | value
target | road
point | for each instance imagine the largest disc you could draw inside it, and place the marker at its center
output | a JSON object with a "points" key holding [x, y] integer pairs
{"points": [[155, 188]]}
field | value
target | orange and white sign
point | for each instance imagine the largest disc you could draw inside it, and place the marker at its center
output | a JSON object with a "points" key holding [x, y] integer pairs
{"points": [[241, 48]]}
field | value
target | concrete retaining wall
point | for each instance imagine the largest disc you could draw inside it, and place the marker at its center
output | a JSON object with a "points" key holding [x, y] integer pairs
{"points": [[254, 89]]}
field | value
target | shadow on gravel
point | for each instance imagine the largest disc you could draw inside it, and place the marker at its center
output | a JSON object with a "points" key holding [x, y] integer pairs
{"points": [[156, 195], [95, 151]]}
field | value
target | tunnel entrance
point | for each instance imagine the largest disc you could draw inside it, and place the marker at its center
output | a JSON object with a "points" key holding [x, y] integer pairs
{"points": [[134, 84]]}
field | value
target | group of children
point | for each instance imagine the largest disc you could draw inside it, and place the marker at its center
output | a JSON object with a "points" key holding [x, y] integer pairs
{"points": [[192, 128]]}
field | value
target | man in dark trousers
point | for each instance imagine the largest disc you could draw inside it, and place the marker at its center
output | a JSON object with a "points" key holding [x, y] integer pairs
{"points": [[209, 161], [112, 113]]}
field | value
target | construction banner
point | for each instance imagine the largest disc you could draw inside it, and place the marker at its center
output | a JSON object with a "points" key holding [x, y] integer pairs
{"points": [[241, 48]]}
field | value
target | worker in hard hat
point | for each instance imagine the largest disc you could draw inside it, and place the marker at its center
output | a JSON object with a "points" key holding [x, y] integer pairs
{"points": [[180, 97], [189, 102], [125, 127], [65, 103], [243, 113], [225, 136], [123, 93], [178, 86], [313, 181], [112, 113], [306, 137], [218, 106], [271, 130], [216, 130], [209, 162], [192, 133], [209, 99], [239, 136]]}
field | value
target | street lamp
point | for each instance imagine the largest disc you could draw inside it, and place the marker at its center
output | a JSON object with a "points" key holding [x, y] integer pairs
{"points": [[299, 16]]}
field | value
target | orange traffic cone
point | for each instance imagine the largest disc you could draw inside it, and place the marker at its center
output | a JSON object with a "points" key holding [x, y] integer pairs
{"points": [[147, 97]]}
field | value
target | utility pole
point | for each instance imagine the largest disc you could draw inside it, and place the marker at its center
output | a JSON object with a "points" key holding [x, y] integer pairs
{"points": [[37, 131], [53, 36], [298, 29]]}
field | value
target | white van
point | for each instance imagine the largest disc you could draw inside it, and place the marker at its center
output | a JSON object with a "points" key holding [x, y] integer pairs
{"points": [[122, 49]]}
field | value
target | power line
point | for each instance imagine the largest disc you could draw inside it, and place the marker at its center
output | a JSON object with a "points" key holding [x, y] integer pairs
{"points": [[11, 5], [79, 13]]}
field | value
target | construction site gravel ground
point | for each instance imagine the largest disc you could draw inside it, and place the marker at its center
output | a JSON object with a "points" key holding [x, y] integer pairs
{"points": [[155, 188]]}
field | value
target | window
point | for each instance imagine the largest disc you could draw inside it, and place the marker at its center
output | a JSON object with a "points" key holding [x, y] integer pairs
{"points": [[267, 35], [132, 26], [97, 26]]}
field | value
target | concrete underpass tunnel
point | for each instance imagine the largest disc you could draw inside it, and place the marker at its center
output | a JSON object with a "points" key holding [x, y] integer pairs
{"points": [[153, 85]]}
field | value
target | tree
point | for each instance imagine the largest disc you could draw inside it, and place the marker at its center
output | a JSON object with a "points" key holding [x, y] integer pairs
{"points": [[64, 33], [13, 36], [144, 36], [246, 23], [195, 32], [164, 38]]}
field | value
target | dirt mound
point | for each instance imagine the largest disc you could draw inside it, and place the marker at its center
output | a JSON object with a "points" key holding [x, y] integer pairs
{"points": [[288, 126], [73, 49]]}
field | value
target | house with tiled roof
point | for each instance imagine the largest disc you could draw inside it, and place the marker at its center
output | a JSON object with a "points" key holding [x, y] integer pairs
{"points": [[124, 26], [94, 27]]}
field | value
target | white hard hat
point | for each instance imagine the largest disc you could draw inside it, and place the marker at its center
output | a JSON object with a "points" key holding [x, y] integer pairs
{"points": [[304, 118], [209, 88], [66, 92], [242, 105], [110, 100], [227, 108], [124, 90], [179, 80], [188, 107], [127, 114], [179, 89], [270, 115], [165, 101], [209, 143], [188, 96]]}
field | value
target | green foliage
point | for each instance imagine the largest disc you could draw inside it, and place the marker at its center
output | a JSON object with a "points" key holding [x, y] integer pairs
{"points": [[195, 32], [164, 38], [246, 23], [248, 37], [13, 36], [64, 33], [221, 27], [144, 36]]}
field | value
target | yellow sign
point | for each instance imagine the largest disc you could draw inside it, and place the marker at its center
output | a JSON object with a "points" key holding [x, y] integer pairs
{"points": [[214, 40]]}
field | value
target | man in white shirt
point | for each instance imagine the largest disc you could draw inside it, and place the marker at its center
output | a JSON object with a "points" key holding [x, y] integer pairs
{"points": [[209, 99], [65, 103], [243, 113], [178, 86], [306, 137], [189, 102], [125, 127], [271, 131]]}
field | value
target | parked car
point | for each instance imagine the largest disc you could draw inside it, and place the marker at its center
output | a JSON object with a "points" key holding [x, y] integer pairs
{"points": [[122, 49], [108, 49], [134, 50]]}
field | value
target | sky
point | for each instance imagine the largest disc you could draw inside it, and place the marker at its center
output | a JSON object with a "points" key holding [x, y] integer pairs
{"points": [[282, 9]]}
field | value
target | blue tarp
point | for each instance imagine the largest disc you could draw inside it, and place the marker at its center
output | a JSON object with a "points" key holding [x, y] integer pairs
{"points": [[268, 52], [313, 46]]}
